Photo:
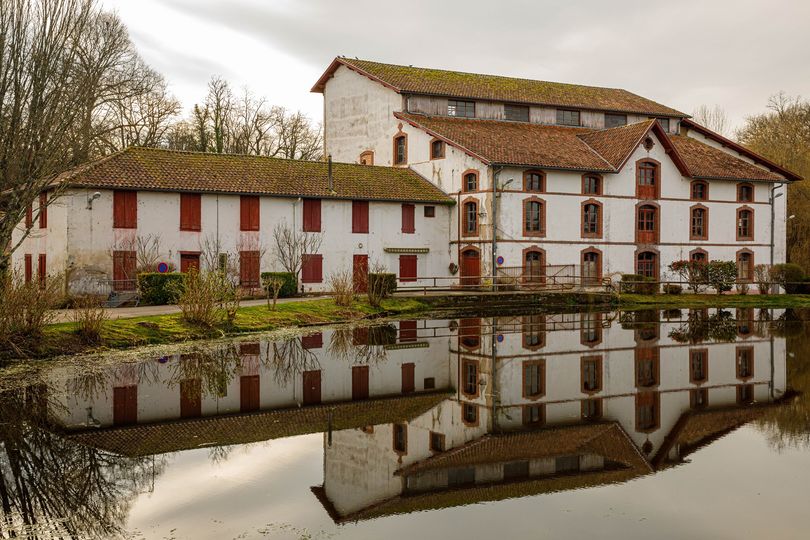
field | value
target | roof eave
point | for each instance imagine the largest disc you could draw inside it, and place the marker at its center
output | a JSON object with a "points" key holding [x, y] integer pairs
{"points": [[320, 85]]}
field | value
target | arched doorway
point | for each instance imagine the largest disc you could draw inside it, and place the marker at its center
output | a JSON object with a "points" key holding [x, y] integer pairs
{"points": [[591, 267], [470, 267]]}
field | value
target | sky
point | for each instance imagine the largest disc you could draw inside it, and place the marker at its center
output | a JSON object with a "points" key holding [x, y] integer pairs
{"points": [[685, 53]]}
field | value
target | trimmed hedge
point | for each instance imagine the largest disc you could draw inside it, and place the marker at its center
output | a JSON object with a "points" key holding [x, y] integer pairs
{"points": [[290, 287], [671, 288], [384, 283], [160, 289], [638, 284], [790, 276]]}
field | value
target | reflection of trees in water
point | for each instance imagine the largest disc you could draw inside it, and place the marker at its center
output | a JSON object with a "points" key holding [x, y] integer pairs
{"points": [[215, 367], [52, 487], [88, 382], [289, 358], [699, 326], [789, 426], [362, 345]]}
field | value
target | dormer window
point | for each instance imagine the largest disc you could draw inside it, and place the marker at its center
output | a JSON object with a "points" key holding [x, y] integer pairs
{"points": [[462, 109], [615, 120], [567, 118], [516, 113]]}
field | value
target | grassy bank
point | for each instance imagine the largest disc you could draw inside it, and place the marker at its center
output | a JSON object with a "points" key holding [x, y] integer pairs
{"points": [[61, 338], [697, 301]]}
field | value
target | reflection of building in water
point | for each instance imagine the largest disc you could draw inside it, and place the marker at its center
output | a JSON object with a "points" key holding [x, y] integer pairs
{"points": [[578, 401], [428, 414]]}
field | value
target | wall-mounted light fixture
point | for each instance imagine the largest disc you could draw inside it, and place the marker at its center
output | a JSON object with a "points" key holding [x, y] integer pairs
{"points": [[91, 198]]}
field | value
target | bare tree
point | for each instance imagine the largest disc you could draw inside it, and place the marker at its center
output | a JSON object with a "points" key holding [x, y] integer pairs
{"points": [[291, 246], [219, 103], [714, 118]]}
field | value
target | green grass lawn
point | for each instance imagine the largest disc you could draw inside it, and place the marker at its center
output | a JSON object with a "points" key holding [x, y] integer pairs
{"points": [[160, 329], [650, 301]]}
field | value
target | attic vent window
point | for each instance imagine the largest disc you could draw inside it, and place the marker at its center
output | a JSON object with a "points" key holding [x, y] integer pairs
{"points": [[567, 118], [664, 123], [516, 113], [648, 143], [615, 120]]}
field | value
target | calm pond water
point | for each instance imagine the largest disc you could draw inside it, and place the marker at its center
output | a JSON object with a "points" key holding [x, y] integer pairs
{"points": [[679, 424]]}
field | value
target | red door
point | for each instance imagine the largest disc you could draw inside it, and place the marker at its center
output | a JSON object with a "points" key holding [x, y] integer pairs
{"points": [[359, 382], [470, 267], [249, 393], [124, 266], [408, 385], [125, 405], [360, 273], [190, 398], [189, 261], [312, 387]]}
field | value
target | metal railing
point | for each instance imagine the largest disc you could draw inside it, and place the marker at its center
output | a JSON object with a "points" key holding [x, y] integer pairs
{"points": [[534, 278]]}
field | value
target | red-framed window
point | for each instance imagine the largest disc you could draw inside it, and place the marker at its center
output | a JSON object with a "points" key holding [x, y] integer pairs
{"points": [[408, 218], [249, 213], [312, 215], [359, 216], [648, 179], [29, 268], [407, 267], [43, 210], [312, 269], [125, 209], [190, 212]]}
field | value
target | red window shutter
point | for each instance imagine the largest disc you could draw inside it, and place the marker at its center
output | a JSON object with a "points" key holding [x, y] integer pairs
{"points": [[407, 267], [124, 269], [359, 216], [42, 270], [29, 268], [407, 330], [190, 214], [312, 269], [249, 213], [312, 341], [408, 385], [249, 268], [408, 220], [29, 216], [43, 210], [125, 209], [312, 215]]}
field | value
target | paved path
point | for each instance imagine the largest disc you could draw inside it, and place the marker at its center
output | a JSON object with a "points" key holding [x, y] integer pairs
{"points": [[66, 315]]}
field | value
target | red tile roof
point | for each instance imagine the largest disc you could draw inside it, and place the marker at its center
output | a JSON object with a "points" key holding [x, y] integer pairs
{"points": [[169, 170], [581, 149], [439, 82]]}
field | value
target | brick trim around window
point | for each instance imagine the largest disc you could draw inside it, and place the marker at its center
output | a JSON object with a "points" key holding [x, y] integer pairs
{"points": [[750, 236], [526, 181], [477, 174], [465, 231], [600, 184], [441, 146], [692, 234], [542, 232], [646, 192], [705, 190], [394, 159], [599, 218], [739, 189]]}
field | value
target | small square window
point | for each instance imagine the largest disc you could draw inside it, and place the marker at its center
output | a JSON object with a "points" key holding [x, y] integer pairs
{"points": [[436, 149], [615, 120], [664, 123], [430, 383], [436, 442], [516, 113], [462, 109], [567, 118], [430, 211]]}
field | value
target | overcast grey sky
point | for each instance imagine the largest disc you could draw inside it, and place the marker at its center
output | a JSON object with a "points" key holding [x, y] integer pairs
{"points": [[684, 53]]}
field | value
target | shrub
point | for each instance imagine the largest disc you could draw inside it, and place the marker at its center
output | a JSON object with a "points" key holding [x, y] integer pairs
{"points": [[342, 286], [89, 315], [789, 275], [290, 283], [743, 288], [380, 285], [159, 289], [722, 275], [203, 296], [693, 272], [26, 309], [804, 288], [762, 276], [638, 284], [671, 288]]}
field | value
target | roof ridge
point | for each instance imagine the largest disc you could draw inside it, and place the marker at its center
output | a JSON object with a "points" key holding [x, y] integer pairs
{"points": [[346, 58]]}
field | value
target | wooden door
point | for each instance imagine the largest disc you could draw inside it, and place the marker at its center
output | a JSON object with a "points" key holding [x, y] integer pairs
{"points": [[360, 376], [190, 398], [189, 261], [312, 387], [470, 267], [647, 225], [248, 393], [125, 405], [124, 269], [408, 384], [360, 273]]}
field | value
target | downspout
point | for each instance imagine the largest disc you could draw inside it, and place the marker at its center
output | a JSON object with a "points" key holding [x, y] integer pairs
{"points": [[772, 201], [496, 171]]}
